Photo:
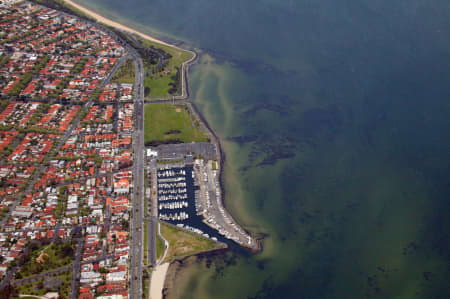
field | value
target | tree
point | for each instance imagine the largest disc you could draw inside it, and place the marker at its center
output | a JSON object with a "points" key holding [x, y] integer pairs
{"points": [[67, 250], [8, 292], [18, 275]]}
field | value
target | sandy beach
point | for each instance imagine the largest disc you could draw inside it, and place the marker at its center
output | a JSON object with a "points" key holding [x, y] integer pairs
{"points": [[109, 22], [157, 282], [112, 23]]}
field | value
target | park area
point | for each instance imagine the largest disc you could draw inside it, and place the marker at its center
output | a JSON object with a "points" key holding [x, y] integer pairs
{"points": [[167, 123], [59, 283], [45, 257], [182, 243], [125, 74], [165, 81]]}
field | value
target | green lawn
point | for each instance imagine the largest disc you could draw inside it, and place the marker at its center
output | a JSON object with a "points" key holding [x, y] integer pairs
{"points": [[178, 56], [32, 288], [145, 243], [36, 288], [159, 82], [182, 243], [145, 284], [125, 74], [57, 255], [64, 289], [159, 247], [166, 123]]}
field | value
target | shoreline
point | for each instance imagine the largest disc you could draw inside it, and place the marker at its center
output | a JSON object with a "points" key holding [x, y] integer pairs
{"points": [[214, 139], [112, 23], [108, 22], [184, 96], [162, 278], [181, 264]]}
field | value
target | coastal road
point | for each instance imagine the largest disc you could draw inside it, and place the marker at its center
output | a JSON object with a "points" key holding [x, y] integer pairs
{"points": [[138, 186], [132, 278], [140, 176], [137, 218], [138, 44]]}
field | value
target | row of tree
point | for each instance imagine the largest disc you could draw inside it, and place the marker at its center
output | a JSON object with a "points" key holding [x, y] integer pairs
{"points": [[28, 76], [175, 85]]}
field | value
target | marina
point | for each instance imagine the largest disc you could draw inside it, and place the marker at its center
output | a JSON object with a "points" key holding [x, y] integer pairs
{"points": [[189, 197], [177, 201]]}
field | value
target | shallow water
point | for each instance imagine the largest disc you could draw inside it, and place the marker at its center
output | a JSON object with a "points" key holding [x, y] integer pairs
{"points": [[334, 117]]}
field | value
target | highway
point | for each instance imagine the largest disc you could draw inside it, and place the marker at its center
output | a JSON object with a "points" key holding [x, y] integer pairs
{"points": [[138, 44], [137, 218], [137, 214], [137, 246]]}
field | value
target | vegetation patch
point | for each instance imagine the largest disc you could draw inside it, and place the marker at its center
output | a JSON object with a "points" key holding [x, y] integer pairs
{"points": [[125, 74], [4, 59], [44, 257], [165, 80], [159, 247], [58, 283], [162, 84], [182, 243], [178, 56], [169, 161], [145, 283], [164, 124], [145, 242], [26, 78]]}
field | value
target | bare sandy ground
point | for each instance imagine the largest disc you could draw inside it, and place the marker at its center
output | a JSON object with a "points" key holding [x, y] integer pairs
{"points": [[109, 22], [157, 282]]}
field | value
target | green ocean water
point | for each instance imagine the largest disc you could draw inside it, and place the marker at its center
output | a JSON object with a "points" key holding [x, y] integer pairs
{"points": [[335, 121]]}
